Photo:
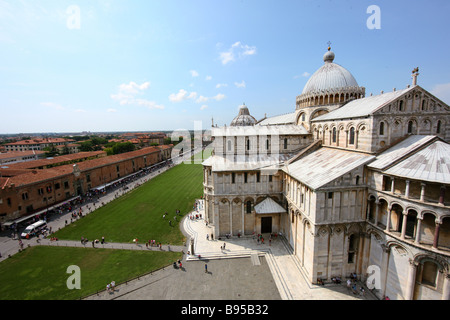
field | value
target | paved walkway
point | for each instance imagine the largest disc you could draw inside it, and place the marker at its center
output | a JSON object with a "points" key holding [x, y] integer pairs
{"points": [[243, 270]]}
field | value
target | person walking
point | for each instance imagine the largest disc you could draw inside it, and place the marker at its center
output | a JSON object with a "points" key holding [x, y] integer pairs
{"points": [[206, 268]]}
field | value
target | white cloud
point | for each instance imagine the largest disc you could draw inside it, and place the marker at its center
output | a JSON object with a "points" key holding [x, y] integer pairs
{"points": [[442, 91], [194, 73], [201, 99], [203, 107], [240, 85], [208, 78], [304, 74], [182, 95], [219, 97], [236, 51], [133, 87], [226, 57], [128, 92], [219, 85]]}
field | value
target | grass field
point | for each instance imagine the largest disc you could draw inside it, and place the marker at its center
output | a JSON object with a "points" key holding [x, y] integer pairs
{"points": [[138, 214], [40, 273]]}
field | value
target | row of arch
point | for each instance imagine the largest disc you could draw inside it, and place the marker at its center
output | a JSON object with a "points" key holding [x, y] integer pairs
{"points": [[332, 133], [411, 126], [316, 99], [411, 223], [425, 269]]}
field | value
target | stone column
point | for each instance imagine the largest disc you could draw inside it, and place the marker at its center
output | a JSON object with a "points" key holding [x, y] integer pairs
{"points": [[422, 192], [231, 216], [410, 284], [405, 218], [385, 267], [243, 217], [388, 221], [407, 189], [436, 235], [216, 226], [346, 138], [377, 205], [446, 289], [392, 185], [418, 229]]}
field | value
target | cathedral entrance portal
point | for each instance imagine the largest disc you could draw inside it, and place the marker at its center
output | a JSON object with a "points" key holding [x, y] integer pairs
{"points": [[266, 224]]}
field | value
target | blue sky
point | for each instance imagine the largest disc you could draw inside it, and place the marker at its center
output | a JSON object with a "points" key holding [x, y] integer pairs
{"points": [[161, 65]]}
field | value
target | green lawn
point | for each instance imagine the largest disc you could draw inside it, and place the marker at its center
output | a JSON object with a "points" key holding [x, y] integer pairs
{"points": [[40, 273], [138, 214]]}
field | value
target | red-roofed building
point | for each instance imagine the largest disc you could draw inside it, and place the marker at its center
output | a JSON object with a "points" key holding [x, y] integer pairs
{"points": [[27, 189], [36, 144]]}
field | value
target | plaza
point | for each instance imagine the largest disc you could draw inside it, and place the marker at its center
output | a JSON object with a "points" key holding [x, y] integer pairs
{"points": [[244, 270]]}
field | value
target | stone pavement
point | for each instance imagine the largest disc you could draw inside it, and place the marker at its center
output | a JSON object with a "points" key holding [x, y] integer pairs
{"points": [[243, 269]]}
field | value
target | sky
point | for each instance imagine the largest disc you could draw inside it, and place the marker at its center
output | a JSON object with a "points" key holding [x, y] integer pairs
{"points": [[149, 65]]}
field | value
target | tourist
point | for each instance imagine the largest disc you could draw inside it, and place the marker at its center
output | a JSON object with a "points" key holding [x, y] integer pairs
{"points": [[206, 268]]}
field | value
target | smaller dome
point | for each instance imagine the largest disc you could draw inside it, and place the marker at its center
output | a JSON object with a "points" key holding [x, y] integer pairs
{"points": [[243, 118]]}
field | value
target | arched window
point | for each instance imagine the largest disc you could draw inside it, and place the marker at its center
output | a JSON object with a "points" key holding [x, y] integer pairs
{"points": [[381, 128], [267, 144], [352, 136], [400, 106], [334, 135], [248, 206], [410, 126], [357, 180], [229, 145], [248, 144], [429, 273], [285, 143], [352, 243], [303, 117], [438, 128]]}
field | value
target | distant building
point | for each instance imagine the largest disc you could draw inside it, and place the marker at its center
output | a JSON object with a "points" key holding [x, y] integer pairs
{"points": [[36, 144], [28, 187], [353, 183], [20, 156]]}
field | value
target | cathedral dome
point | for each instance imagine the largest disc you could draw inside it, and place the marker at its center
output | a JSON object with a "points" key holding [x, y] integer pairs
{"points": [[330, 76], [243, 118], [328, 83]]}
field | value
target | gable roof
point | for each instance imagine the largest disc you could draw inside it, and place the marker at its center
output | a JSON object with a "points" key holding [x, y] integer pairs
{"points": [[288, 118], [325, 165], [431, 164], [400, 150], [269, 205], [364, 106]]}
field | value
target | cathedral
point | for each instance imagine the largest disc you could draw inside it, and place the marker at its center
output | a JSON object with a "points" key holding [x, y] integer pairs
{"points": [[355, 184]]}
